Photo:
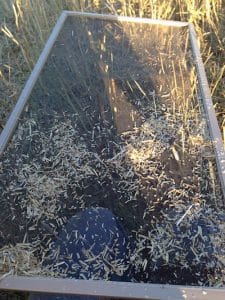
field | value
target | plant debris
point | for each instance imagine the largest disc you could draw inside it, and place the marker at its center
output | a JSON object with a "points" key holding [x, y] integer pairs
{"points": [[119, 124]]}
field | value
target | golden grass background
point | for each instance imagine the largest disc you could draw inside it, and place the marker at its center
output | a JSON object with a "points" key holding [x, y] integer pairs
{"points": [[26, 24]]}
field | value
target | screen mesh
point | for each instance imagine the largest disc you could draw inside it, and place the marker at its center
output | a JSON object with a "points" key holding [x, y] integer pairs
{"points": [[115, 121]]}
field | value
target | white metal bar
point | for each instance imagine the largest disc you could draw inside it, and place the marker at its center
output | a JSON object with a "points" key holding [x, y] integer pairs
{"points": [[127, 19], [109, 289], [212, 122], [18, 109]]}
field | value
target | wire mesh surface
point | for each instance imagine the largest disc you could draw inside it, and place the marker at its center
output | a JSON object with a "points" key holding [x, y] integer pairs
{"points": [[115, 120]]}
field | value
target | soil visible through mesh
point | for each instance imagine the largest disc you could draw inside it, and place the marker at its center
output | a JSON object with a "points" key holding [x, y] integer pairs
{"points": [[116, 121]]}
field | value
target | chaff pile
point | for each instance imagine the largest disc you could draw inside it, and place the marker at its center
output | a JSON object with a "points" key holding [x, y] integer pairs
{"points": [[102, 133], [174, 224]]}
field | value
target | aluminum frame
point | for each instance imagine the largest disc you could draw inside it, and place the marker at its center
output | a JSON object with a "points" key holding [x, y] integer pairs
{"points": [[212, 122], [102, 288]]}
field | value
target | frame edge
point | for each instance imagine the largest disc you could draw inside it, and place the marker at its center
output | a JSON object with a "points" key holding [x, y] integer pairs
{"points": [[27, 89]]}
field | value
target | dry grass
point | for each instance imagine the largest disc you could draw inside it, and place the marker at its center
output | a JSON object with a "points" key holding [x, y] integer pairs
{"points": [[26, 24]]}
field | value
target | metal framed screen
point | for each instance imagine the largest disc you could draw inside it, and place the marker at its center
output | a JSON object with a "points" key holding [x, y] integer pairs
{"points": [[48, 97]]}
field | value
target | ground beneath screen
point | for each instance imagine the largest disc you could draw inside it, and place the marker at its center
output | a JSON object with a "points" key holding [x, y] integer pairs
{"points": [[130, 135]]}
